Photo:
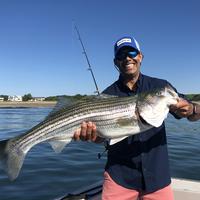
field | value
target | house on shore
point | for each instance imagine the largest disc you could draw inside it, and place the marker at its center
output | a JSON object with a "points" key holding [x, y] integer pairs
{"points": [[37, 99], [15, 98]]}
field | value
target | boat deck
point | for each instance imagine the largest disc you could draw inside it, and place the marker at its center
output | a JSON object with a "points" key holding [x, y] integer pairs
{"points": [[186, 189]]}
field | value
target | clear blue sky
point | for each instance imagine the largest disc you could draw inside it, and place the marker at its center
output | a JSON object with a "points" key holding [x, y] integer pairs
{"points": [[40, 52]]}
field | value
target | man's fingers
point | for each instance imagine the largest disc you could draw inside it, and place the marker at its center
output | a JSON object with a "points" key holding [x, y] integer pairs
{"points": [[183, 108], [76, 136], [181, 113], [181, 104], [83, 132], [89, 130], [93, 134]]}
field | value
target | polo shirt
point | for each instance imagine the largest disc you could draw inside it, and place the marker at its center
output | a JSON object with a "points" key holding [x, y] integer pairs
{"points": [[139, 162]]}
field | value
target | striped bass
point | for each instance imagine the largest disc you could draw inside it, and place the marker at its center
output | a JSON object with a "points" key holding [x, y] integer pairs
{"points": [[115, 117]]}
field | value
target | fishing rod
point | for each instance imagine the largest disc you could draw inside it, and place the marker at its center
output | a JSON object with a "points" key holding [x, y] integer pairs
{"points": [[88, 62]]}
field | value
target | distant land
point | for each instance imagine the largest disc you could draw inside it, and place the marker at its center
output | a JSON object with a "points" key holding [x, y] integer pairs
{"points": [[33, 102], [191, 97], [29, 97], [52, 100]]}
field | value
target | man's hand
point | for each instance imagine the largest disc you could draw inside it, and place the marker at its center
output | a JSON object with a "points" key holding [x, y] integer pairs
{"points": [[182, 109], [87, 132]]}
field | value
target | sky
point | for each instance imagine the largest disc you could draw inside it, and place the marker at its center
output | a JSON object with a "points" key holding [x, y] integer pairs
{"points": [[40, 52]]}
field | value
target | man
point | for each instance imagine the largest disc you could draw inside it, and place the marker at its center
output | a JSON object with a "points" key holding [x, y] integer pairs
{"points": [[137, 166]]}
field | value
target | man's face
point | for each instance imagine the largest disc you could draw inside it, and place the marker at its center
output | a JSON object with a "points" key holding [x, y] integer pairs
{"points": [[128, 61]]}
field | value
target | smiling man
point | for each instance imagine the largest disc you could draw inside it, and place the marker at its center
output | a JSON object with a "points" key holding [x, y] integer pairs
{"points": [[125, 50], [138, 165]]}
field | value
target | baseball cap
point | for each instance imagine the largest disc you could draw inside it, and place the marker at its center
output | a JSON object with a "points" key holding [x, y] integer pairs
{"points": [[126, 42]]}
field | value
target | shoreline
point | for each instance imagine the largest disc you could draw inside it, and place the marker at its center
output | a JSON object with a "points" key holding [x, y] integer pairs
{"points": [[32, 104], [27, 104]]}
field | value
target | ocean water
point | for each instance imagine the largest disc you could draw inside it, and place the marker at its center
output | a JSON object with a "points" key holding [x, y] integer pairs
{"points": [[46, 175]]}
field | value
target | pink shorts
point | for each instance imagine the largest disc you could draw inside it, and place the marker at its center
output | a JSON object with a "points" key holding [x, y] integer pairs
{"points": [[113, 191]]}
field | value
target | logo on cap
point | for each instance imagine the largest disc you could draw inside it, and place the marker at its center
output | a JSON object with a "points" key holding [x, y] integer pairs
{"points": [[124, 40]]}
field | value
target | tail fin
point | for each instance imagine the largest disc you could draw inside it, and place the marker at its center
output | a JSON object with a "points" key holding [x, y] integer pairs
{"points": [[11, 158]]}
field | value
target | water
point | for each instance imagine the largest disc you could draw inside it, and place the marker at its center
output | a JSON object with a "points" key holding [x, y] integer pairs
{"points": [[46, 175]]}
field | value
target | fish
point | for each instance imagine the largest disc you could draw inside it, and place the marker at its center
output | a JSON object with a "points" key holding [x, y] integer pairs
{"points": [[115, 117]]}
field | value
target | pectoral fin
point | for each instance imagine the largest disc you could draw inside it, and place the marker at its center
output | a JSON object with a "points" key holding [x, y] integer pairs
{"points": [[58, 144]]}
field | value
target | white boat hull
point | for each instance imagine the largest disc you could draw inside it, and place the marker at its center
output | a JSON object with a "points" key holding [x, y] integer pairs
{"points": [[186, 189]]}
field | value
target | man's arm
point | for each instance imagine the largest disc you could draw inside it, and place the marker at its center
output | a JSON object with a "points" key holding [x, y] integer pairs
{"points": [[196, 112], [186, 109]]}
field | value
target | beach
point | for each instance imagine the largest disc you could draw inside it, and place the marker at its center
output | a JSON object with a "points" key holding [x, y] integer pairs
{"points": [[26, 104]]}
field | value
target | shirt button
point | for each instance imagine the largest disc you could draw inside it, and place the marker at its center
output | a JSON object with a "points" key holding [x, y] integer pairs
{"points": [[142, 155]]}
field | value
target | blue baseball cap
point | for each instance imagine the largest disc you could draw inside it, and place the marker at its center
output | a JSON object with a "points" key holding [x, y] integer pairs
{"points": [[126, 42]]}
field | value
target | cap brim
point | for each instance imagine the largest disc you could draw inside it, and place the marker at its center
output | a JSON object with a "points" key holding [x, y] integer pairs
{"points": [[125, 46]]}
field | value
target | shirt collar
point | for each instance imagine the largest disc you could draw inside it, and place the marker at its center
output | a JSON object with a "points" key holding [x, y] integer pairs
{"points": [[125, 88]]}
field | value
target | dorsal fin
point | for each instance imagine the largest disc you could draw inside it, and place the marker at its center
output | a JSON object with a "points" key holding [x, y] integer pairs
{"points": [[104, 96], [62, 103]]}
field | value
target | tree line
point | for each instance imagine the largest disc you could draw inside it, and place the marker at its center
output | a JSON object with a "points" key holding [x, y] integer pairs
{"points": [[193, 97], [28, 97]]}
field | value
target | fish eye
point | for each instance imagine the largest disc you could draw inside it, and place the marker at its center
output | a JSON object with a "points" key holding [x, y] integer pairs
{"points": [[170, 92], [158, 93]]}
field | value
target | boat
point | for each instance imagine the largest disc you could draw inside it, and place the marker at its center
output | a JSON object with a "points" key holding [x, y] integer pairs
{"points": [[184, 189]]}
